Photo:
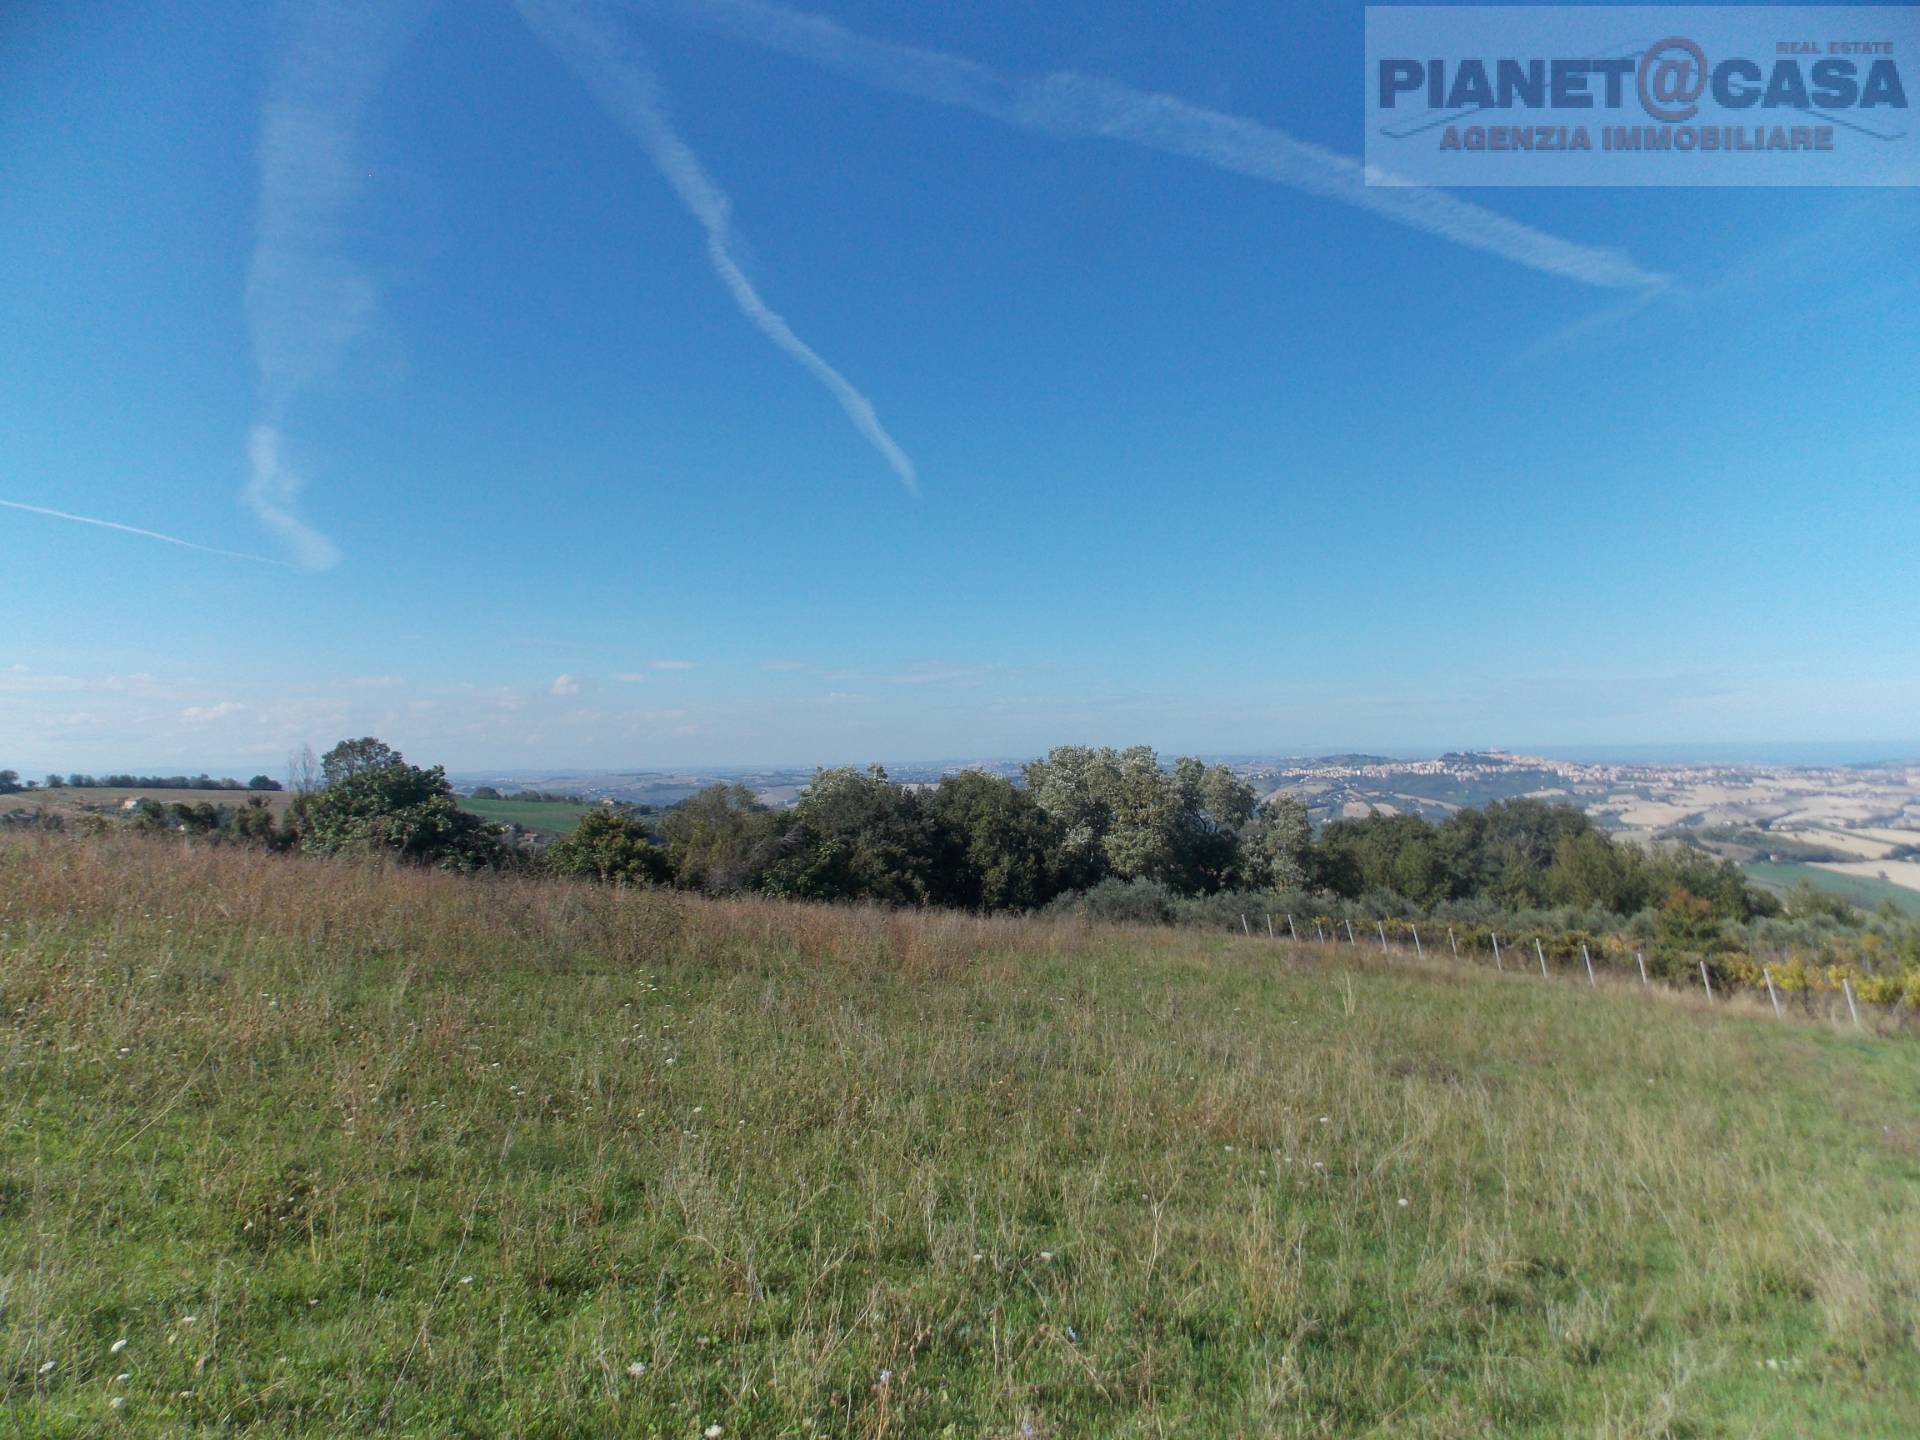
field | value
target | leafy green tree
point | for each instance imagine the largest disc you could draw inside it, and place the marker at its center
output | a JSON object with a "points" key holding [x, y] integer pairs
{"points": [[998, 848], [351, 757], [9, 782], [718, 839], [609, 846], [1277, 848], [1121, 814], [1590, 870], [392, 808], [853, 837], [1397, 853], [263, 782]]}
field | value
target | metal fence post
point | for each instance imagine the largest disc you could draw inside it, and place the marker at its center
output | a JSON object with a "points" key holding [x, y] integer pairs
{"points": [[1589, 959], [1543, 957]]}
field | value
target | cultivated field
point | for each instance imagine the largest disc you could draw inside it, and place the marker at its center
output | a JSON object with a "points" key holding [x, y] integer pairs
{"points": [[550, 817], [302, 1148], [1904, 873], [1867, 891], [1847, 842]]}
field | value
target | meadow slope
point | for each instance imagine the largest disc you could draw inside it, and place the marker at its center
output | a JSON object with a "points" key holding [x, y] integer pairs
{"points": [[336, 1149]]}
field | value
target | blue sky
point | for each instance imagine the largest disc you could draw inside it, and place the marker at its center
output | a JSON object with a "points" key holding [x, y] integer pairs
{"points": [[680, 383]]}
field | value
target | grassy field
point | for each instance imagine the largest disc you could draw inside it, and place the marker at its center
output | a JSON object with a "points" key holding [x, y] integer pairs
{"points": [[304, 1148], [552, 817], [1865, 891]]}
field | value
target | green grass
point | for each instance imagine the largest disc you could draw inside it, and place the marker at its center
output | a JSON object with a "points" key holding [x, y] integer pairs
{"points": [[553, 817], [1866, 891], [340, 1150]]}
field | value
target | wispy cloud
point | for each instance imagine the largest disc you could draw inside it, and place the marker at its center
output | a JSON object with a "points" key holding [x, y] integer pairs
{"points": [[617, 76], [674, 664], [306, 301], [136, 530], [271, 492], [564, 685], [1069, 105]]}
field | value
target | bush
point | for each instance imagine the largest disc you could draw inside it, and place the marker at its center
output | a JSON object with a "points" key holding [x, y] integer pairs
{"points": [[1119, 902], [608, 846]]}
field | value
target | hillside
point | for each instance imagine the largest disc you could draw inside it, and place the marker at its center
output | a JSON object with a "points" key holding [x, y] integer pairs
{"points": [[336, 1148]]}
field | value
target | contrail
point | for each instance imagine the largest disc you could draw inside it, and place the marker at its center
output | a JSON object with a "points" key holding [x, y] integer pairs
{"points": [[1069, 105], [136, 530], [622, 82], [306, 302]]}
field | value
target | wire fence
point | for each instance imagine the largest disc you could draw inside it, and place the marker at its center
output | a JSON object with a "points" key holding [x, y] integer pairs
{"points": [[1792, 982]]}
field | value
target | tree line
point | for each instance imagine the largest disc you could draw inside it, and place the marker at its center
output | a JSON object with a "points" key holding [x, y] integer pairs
{"points": [[12, 784], [1113, 828]]}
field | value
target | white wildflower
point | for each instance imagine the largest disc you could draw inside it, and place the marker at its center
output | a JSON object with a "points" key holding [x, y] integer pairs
{"points": [[637, 1369], [47, 1368]]}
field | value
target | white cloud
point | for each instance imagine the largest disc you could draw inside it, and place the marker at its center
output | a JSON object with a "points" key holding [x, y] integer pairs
{"points": [[307, 302], [674, 664], [564, 685], [272, 492]]}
